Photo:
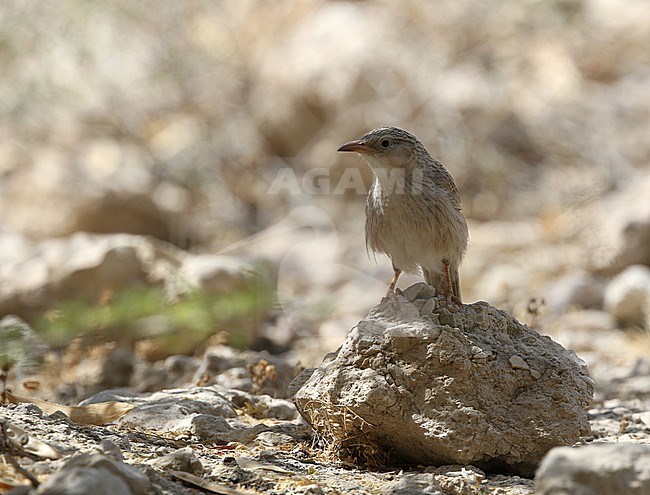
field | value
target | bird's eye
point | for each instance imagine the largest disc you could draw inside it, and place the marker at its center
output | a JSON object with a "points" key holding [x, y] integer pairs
{"points": [[385, 143]]}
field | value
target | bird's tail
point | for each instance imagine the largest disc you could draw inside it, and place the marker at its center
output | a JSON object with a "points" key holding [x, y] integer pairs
{"points": [[438, 282]]}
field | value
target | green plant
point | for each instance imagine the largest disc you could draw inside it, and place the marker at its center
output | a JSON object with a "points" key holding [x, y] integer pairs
{"points": [[144, 312]]}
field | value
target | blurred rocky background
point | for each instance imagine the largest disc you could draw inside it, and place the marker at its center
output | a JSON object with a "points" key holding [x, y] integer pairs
{"points": [[169, 177], [174, 215]]}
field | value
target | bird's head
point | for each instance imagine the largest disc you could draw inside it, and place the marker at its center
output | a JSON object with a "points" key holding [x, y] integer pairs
{"points": [[386, 147]]}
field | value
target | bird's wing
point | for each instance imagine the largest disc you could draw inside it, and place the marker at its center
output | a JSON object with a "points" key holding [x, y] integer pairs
{"points": [[446, 182]]}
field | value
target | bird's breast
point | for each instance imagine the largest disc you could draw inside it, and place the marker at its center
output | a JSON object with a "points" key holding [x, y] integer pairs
{"points": [[414, 229]]}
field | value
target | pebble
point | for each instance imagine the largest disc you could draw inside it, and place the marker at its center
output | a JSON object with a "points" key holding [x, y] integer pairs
{"points": [[518, 363], [428, 307]]}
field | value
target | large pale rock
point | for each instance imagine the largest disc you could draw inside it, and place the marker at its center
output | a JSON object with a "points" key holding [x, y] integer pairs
{"points": [[430, 385], [574, 290], [34, 276], [125, 199], [598, 469], [80, 266], [627, 296], [618, 226], [216, 273]]}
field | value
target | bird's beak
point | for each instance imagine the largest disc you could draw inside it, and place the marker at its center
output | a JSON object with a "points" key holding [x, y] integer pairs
{"points": [[358, 146]]}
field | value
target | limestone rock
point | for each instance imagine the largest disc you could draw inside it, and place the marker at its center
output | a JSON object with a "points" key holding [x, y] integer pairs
{"points": [[129, 212], [250, 371], [215, 273], [622, 221], [627, 297], [80, 266], [208, 413], [168, 405], [578, 289], [95, 474], [597, 469], [36, 276], [441, 388], [459, 479], [263, 406], [110, 449], [273, 439], [413, 484], [180, 460]]}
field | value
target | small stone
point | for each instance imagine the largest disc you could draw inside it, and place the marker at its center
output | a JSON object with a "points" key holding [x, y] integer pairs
{"points": [[273, 439], [411, 293], [595, 469], [313, 489], [479, 355], [518, 363], [110, 449], [180, 460], [428, 307], [535, 374], [412, 484], [627, 297]]}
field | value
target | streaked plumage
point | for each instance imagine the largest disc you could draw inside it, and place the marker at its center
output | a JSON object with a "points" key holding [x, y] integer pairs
{"points": [[413, 210]]}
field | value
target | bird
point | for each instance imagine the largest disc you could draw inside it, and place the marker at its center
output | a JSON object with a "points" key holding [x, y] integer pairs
{"points": [[413, 210]]}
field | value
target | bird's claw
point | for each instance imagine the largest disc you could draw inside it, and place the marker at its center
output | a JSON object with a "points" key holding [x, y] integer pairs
{"points": [[453, 300]]}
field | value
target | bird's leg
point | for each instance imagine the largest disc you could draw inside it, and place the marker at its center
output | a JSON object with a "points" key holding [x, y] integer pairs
{"points": [[390, 295], [449, 291], [393, 283]]}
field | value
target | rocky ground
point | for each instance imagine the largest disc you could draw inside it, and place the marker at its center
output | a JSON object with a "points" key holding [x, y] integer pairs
{"points": [[223, 420], [160, 287], [229, 426]]}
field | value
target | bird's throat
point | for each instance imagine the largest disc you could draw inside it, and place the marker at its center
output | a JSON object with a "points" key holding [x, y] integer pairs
{"points": [[396, 181]]}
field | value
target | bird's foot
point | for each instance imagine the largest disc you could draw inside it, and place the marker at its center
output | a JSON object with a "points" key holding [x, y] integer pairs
{"points": [[453, 301]]}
